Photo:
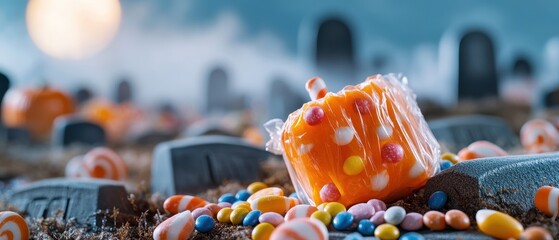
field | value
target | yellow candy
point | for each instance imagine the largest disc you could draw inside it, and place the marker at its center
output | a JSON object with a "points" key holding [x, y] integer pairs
{"points": [[238, 215], [241, 204], [498, 224], [321, 206], [353, 165], [334, 208], [256, 186], [450, 157], [277, 204], [262, 231], [322, 216], [271, 191], [387, 232], [223, 215]]}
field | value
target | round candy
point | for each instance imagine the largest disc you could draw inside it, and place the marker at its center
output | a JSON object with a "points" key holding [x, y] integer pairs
{"points": [[223, 216], [179, 203], [536, 233], [412, 236], [538, 136], [321, 206], [498, 225], [457, 219], [445, 164], [329, 193], [251, 219], [314, 115], [242, 195], [271, 191], [353, 236], [179, 226], [353, 165], [204, 224], [378, 205], [294, 195], [104, 163], [300, 211], [262, 231], [334, 208], [434, 220], [413, 221], [366, 227], [214, 209], [394, 215], [437, 200], [361, 211], [256, 186], [12, 224], [392, 152], [238, 215], [301, 228], [378, 218], [481, 149], [322, 216], [272, 218], [387, 232], [363, 105], [342, 221], [241, 204], [450, 157], [278, 204], [201, 212], [228, 197], [547, 199], [224, 205]]}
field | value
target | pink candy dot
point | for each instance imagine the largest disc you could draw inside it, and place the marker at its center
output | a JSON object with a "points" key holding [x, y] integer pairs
{"points": [[201, 211], [330, 193], [314, 115], [363, 105], [392, 152]]}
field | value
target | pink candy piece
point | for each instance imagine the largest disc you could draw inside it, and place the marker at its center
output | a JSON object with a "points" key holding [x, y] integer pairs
{"points": [[300, 211], [363, 105], [361, 211], [201, 211], [378, 218], [392, 152], [413, 221], [378, 205], [272, 218], [180, 226], [224, 204], [314, 115], [538, 136], [330, 193]]}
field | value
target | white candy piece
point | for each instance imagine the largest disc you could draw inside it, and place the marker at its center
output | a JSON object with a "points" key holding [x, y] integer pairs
{"points": [[13, 226], [343, 135]]}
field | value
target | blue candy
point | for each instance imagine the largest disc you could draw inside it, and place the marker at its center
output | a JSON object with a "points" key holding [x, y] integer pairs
{"points": [[437, 200], [204, 223], [353, 236], [366, 227], [412, 236], [228, 197], [445, 164], [294, 195], [342, 221], [242, 195], [251, 219]]}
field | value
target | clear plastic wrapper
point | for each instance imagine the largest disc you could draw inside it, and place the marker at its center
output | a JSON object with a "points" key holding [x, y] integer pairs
{"points": [[366, 141]]}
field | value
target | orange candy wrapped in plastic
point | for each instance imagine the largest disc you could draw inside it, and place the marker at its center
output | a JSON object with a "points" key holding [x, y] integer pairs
{"points": [[366, 141]]}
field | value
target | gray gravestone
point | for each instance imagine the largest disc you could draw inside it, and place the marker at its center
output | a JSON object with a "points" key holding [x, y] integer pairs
{"points": [[81, 199], [218, 94], [71, 130], [477, 71], [504, 183], [283, 100], [195, 164], [335, 53], [123, 91], [459, 132], [4, 86], [17, 136], [82, 95]]}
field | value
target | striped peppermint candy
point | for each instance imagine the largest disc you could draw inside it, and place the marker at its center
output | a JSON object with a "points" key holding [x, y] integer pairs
{"points": [[177, 227], [13, 226]]}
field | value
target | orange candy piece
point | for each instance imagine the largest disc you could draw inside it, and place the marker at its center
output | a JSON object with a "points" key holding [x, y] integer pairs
{"points": [[481, 149], [179, 203], [547, 200], [367, 141]]}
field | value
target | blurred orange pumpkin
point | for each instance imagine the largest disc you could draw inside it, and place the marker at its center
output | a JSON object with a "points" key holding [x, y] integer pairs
{"points": [[116, 119], [35, 109]]}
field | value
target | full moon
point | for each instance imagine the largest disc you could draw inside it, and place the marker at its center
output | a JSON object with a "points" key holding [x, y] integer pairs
{"points": [[72, 29]]}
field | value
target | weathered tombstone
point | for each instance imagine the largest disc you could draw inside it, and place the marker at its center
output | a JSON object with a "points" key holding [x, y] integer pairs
{"points": [[191, 165], [82, 95], [72, 130], [81, 199], [123, 91], [283, 100], [477, 72], [507, 183], [335, 54], [522, 67], [4, 86], [459, 132], [17, 136], [551, 99], [218, 94]]}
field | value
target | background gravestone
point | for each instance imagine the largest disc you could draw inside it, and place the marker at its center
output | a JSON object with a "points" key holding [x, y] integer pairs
{"points": [[71, 130], [522, 68], [72, 198], [459, 132], [217, 93], [4, 86], [16, 136], [124, 91], [192, 165], [477, 72], [283, 100], [82, 95]]}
